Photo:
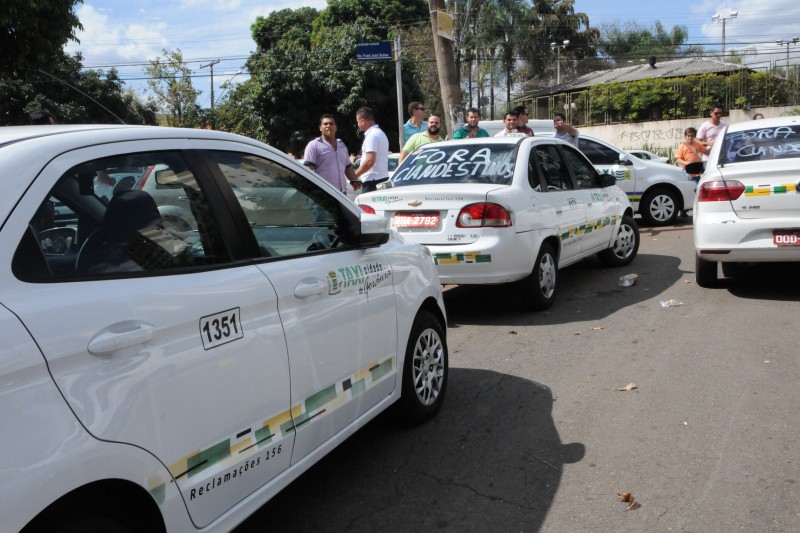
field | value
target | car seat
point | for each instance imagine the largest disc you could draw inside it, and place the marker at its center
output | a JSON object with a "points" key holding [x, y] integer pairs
{"points": [[128, 238]]}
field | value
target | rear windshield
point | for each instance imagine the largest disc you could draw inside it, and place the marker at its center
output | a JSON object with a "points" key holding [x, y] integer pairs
{"points": [[761, 144], [473, 163]]}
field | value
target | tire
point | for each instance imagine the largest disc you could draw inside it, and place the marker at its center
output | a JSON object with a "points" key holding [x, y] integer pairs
{"points": [[425, 370], [659, 207], [705, 273], [625, 245], [541, 286]]}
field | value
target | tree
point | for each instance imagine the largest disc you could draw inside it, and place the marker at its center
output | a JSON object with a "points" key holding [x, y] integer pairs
{"points": [[171, 81], [293, 87], [32, 32], [74, 95], [516, 34], [291, 27], [623, 42], [377, 15]]}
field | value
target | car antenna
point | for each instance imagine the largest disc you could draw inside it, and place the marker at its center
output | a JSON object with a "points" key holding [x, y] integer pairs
{"points": [[83, 93]]}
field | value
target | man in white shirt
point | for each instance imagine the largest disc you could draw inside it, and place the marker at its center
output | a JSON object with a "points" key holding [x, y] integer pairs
{"points": [[510, 124], [709, 130], [374, 167]]}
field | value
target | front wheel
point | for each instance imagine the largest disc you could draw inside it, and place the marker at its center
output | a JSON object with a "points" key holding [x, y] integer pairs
{"points": [[425, 369], [659, 207], [625, 245]]}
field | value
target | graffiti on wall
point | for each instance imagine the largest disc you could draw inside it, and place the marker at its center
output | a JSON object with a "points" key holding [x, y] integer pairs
{"points": [[650, 136]]}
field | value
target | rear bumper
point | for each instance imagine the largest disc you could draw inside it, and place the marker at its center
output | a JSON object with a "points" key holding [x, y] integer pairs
{"points": [[723, 237], [489, 260]]}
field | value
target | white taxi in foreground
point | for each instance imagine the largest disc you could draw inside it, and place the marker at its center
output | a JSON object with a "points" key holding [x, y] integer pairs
{"points": [[748, 201], [499, 210], [174, 376]]}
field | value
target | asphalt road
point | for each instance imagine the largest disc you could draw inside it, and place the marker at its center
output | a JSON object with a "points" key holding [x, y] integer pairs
{"points": [[535, 435]]}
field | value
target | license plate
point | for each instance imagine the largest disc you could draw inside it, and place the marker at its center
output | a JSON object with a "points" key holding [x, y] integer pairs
{"points": [[786, 237], [415, 220]]}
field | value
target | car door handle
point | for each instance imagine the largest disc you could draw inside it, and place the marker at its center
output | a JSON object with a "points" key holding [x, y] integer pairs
{"points": [[558, 211], [308, 288], [110, 341]]}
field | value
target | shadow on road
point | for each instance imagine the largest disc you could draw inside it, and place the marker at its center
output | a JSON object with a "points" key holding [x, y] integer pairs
{"points": [[766, 281], [490, 461], [587, 290]]}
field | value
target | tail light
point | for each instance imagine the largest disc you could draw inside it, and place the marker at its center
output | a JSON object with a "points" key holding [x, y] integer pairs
{"points": [[720, 191], [367, 209], [483, 215]]}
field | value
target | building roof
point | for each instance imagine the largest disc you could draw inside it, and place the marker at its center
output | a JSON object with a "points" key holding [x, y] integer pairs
{"points": [[668, 69]]}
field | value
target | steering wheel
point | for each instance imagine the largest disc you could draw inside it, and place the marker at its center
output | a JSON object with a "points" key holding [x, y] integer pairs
{"points": [[324, 239]]}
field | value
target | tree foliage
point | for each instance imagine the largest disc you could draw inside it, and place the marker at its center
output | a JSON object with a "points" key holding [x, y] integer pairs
{"points": [[33, 32], [73, 95], [516, 35], [294, 81], [171, 82], [289, 27], [623, 42]]}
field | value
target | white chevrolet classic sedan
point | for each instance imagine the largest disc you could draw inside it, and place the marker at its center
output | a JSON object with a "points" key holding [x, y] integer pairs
{"points": [[191, 320], [499, 210]]}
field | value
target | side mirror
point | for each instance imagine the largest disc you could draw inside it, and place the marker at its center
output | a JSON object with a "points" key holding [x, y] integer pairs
{"points": [[606, 180], [624, 159], [698, 167], [57, 241], [374, 230]]}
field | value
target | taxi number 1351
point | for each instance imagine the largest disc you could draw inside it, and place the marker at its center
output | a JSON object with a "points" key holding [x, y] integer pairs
{"points": [[221, 328]]}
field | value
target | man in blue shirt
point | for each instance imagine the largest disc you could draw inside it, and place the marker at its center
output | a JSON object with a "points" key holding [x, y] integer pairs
{"points": [[416, 123]]}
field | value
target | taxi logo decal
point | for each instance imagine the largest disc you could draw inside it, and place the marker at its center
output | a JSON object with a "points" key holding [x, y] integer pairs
{"points": [[261, 441], [365, 277], [461, 258], [769, 190]]}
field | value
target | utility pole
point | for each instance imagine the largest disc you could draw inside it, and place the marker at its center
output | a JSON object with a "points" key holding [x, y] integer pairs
{"points": [[723, 19], [787, 43], [557, 47], [211, 65], [446, 68]]}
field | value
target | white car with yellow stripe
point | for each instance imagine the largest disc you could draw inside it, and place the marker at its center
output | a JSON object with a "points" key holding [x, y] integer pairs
{"points": [[162, 377], [657, 191], [500, 210], [748, 201]]}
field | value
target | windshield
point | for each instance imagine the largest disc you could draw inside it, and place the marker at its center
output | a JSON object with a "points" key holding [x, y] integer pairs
{"points": [[761, 144], [473, 163]]}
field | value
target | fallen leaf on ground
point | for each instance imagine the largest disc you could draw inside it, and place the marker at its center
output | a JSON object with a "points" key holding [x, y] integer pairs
{"points": [[628, 497], [512, 332], [629, 386], [577, 333], [597, 328]]}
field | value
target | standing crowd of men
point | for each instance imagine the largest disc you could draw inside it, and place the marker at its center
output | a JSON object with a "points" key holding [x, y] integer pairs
{"points": [[330, 158]]}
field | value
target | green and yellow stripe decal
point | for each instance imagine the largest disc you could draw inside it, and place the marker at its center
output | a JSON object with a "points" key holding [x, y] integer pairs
{"points": [[769, 190], [461, 258], [249, 440], [589, 227]]}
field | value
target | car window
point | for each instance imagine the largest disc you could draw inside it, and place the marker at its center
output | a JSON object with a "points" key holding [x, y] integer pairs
{"points": [[288, 213], [597, 153], [554, 169], [96, 223], [762, 144], [584, 172], [472, 163]]}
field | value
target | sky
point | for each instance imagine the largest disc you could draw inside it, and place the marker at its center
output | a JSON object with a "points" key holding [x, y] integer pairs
{"points": [[126, 34]]}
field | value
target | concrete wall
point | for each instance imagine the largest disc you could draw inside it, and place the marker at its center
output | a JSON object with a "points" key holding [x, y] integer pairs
{"points": [[667, 134]]}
